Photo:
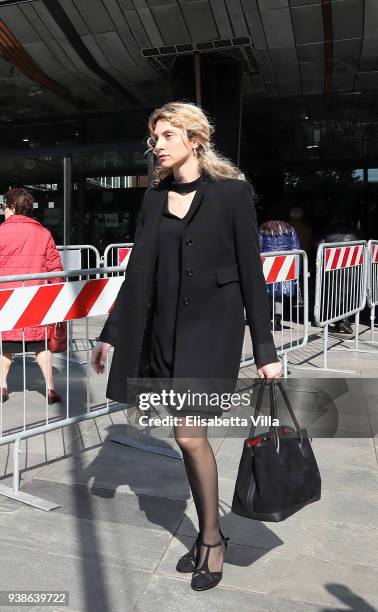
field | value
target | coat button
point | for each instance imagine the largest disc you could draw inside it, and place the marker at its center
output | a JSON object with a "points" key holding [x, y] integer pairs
{"points": [[188, 272], [188, 242], [186, 301]]}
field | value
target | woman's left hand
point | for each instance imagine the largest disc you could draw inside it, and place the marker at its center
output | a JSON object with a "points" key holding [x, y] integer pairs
{"points": [[270, 370]]}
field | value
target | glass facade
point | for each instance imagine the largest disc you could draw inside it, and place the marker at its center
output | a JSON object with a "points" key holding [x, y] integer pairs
{"points": [[318, 152], [107, 184]]}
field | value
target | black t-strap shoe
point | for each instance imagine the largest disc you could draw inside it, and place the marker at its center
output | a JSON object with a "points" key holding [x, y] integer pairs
{"points": [[187, 563], [203, 578]]}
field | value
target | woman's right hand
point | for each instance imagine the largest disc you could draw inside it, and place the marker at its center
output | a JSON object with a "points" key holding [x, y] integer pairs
{"points": [[99, 355]]}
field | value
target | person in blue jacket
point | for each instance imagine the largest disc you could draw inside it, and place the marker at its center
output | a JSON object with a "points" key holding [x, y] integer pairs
{"points": [[276, 235]]}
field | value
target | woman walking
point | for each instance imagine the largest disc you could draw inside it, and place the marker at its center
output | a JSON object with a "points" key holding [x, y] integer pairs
{"points": [[26, 247], [179, 314]]}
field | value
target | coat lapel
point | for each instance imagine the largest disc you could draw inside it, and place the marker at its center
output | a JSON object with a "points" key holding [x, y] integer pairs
{"points": [[197, 200]]}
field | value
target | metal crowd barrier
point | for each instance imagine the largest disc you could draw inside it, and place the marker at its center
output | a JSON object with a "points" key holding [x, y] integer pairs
{"points": [[286, 272], [41, 305], [79, 256], [340, 292], [118, 254], [372, 283]]}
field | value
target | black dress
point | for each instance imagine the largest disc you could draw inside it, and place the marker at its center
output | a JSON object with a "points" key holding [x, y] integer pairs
{"points": [[165, 304], [167, 286]]}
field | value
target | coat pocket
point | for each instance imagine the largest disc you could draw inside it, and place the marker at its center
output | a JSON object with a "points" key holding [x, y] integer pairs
{"points": [[227, 275]]}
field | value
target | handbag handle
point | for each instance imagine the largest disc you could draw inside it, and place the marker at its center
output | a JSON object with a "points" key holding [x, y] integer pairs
{"points": [[290, 409], [273, 411], [258, 406]]}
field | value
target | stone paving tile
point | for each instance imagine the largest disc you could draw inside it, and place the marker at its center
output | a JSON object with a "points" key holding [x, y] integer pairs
{"points": [[346, 506], [93, 583], [123, 544], [140, 511], [329, 541], [296, 577], [359, 480], [172, 594], [143, 474], [351, 452]]}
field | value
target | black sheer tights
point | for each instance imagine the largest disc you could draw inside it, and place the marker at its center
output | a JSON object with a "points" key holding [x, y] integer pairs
{"points": [[202, 472]]}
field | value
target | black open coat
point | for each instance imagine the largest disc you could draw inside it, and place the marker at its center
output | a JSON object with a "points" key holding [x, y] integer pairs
{"points": [[221, 273]]}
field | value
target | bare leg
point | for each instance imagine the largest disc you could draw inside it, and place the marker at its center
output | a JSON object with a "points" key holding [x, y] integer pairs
{"points": [[45, 363], [6, 362], [201, 469]]}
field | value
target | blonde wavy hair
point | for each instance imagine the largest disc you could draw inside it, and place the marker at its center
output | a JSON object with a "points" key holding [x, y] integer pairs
{"points": [[195, 124]]}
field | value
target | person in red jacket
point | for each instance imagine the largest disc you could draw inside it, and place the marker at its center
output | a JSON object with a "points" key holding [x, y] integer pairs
{"points": [[26, 247]]}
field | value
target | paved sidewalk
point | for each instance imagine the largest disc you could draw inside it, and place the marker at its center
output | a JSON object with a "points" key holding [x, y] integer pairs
{"points": [[126, 515]]}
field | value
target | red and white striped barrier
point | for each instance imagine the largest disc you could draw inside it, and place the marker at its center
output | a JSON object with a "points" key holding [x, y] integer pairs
{"points": [[34, 305], [117, 254], [124, 256], [288, 300], [374, 252], [340, 281], [340, 289], [337, 258], [279, 268], [45, 304]]}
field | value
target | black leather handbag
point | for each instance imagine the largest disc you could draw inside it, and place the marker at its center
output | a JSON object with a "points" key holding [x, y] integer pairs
{"points": [[278, 474]]}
